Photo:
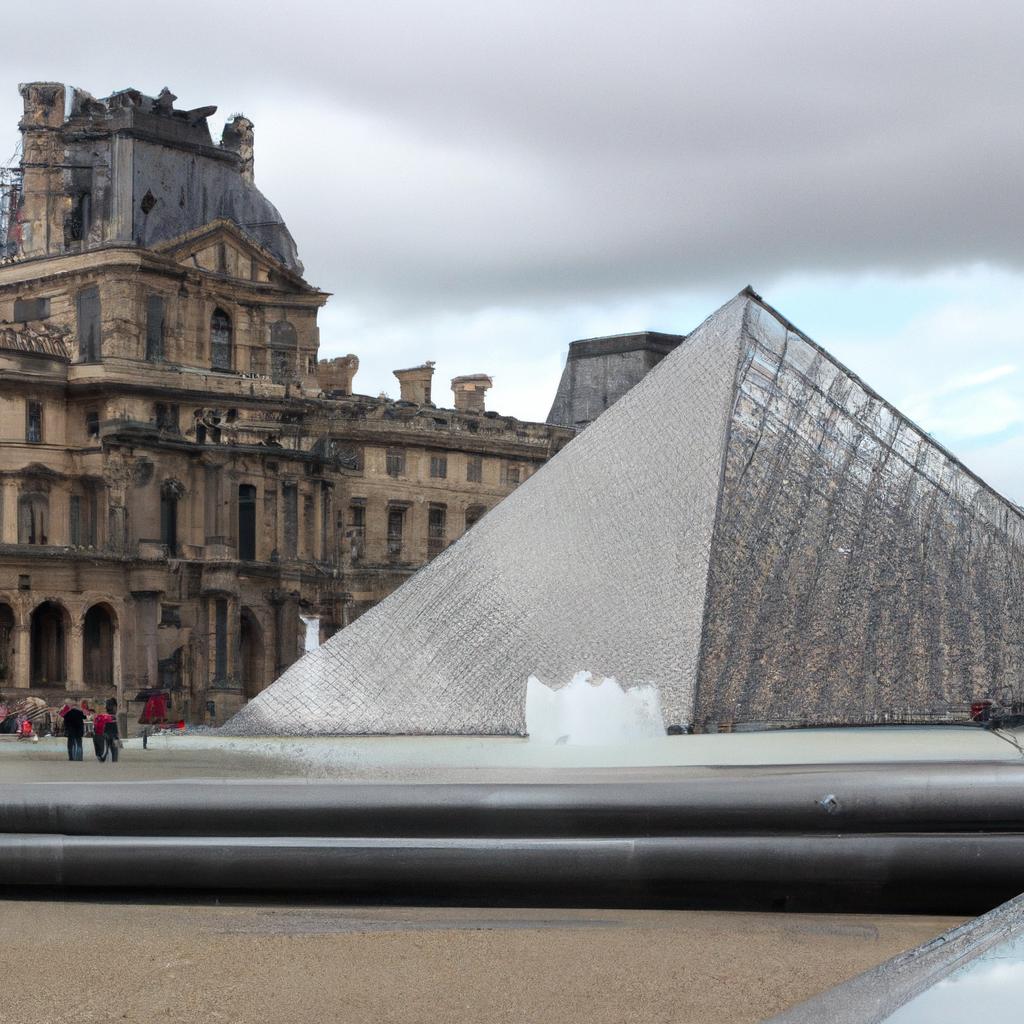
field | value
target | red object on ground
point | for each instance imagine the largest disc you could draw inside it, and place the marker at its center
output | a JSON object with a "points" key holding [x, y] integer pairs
{"points": [[26, 728]]}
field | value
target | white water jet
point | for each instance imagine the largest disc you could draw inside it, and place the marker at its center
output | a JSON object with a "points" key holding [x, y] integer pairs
{"points": [[585, 713], [312, 632]]}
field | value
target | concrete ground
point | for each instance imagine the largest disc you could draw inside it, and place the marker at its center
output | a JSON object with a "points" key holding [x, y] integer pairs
{"points": [[110, 962]]}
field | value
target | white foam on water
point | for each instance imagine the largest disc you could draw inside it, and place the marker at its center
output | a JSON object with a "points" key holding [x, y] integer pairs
{"points": [[588, 713]]}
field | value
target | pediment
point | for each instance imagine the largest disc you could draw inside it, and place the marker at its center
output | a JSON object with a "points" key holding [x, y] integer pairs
{"points": [[224, 249]]}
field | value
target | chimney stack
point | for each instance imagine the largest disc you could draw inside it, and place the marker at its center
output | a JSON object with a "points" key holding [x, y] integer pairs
{"points": [[415, 383], [335, 375], [470, 390]]}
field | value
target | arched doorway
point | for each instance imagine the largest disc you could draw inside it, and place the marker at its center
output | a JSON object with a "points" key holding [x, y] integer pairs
{"points": [[48, 645], [251, 654], [98, 628], [6, 644]]}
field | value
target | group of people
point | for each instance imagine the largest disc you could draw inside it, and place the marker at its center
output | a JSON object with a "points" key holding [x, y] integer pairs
{"points": [[106, 739]]}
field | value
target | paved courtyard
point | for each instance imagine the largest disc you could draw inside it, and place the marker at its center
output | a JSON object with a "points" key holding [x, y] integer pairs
{"points": [[137, 963]]}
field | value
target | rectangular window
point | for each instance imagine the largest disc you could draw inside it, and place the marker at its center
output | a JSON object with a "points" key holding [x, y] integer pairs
{"points": [[439, 466], [34, 422], [92, 424], [31, 309], [396, 526], [82, 512], [474, 469], [169, 520], [154, 328], [33, 516], [436, 530], [247, 522], [87, 304], [166, 417], [280, 366], [510, 474], [356, 531], [396, 461]]}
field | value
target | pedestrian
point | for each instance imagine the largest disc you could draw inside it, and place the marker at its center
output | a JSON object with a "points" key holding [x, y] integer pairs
{"points": [[74, 729], [99, 744], [105, 728]]}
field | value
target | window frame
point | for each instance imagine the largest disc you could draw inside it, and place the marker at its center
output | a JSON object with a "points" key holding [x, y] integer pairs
{"points": [[30, 405]]}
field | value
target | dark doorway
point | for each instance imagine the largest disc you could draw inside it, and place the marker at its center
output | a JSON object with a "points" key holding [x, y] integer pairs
{"points": [[251, 654], [247, 522], [48, 646], [6, 643], [98, 647]]}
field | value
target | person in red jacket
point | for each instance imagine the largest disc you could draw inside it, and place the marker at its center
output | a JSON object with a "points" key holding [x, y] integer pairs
{"points": [[105, 737]]}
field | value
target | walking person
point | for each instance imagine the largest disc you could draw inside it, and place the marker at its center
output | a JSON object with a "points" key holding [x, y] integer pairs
{"points": [[74, 729], [99, 744], [105, 727]]}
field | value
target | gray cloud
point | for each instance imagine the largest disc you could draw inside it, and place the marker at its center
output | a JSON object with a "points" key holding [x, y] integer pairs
{"points": [[458, 155]]}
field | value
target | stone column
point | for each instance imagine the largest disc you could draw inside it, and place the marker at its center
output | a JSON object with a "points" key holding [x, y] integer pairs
{"points": [[9, 512], [22, 656], [74, 666], [146, 626]]}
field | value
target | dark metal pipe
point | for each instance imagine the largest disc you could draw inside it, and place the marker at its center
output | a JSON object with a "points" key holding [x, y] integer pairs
{"points": [[882, 799], [855, 864]]}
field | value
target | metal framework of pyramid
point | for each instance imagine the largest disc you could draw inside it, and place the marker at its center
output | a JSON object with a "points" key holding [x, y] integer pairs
{"points": [[750, 528]]}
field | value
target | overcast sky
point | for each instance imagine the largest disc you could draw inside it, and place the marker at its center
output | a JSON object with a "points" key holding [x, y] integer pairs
{"points": [[482, 183]]}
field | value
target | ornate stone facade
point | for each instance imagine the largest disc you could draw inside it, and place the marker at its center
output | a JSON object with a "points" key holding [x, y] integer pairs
{"points": [[183, 482]]}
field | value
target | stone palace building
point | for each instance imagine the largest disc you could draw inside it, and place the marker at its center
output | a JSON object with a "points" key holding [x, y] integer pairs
{"points": [[187, 493]]}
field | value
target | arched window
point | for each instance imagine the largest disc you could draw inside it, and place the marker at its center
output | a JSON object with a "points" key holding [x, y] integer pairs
{"points": [[220, 340]]}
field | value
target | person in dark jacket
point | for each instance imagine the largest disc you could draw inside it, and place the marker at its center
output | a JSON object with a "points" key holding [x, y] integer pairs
{"points": [[74, 729]]}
